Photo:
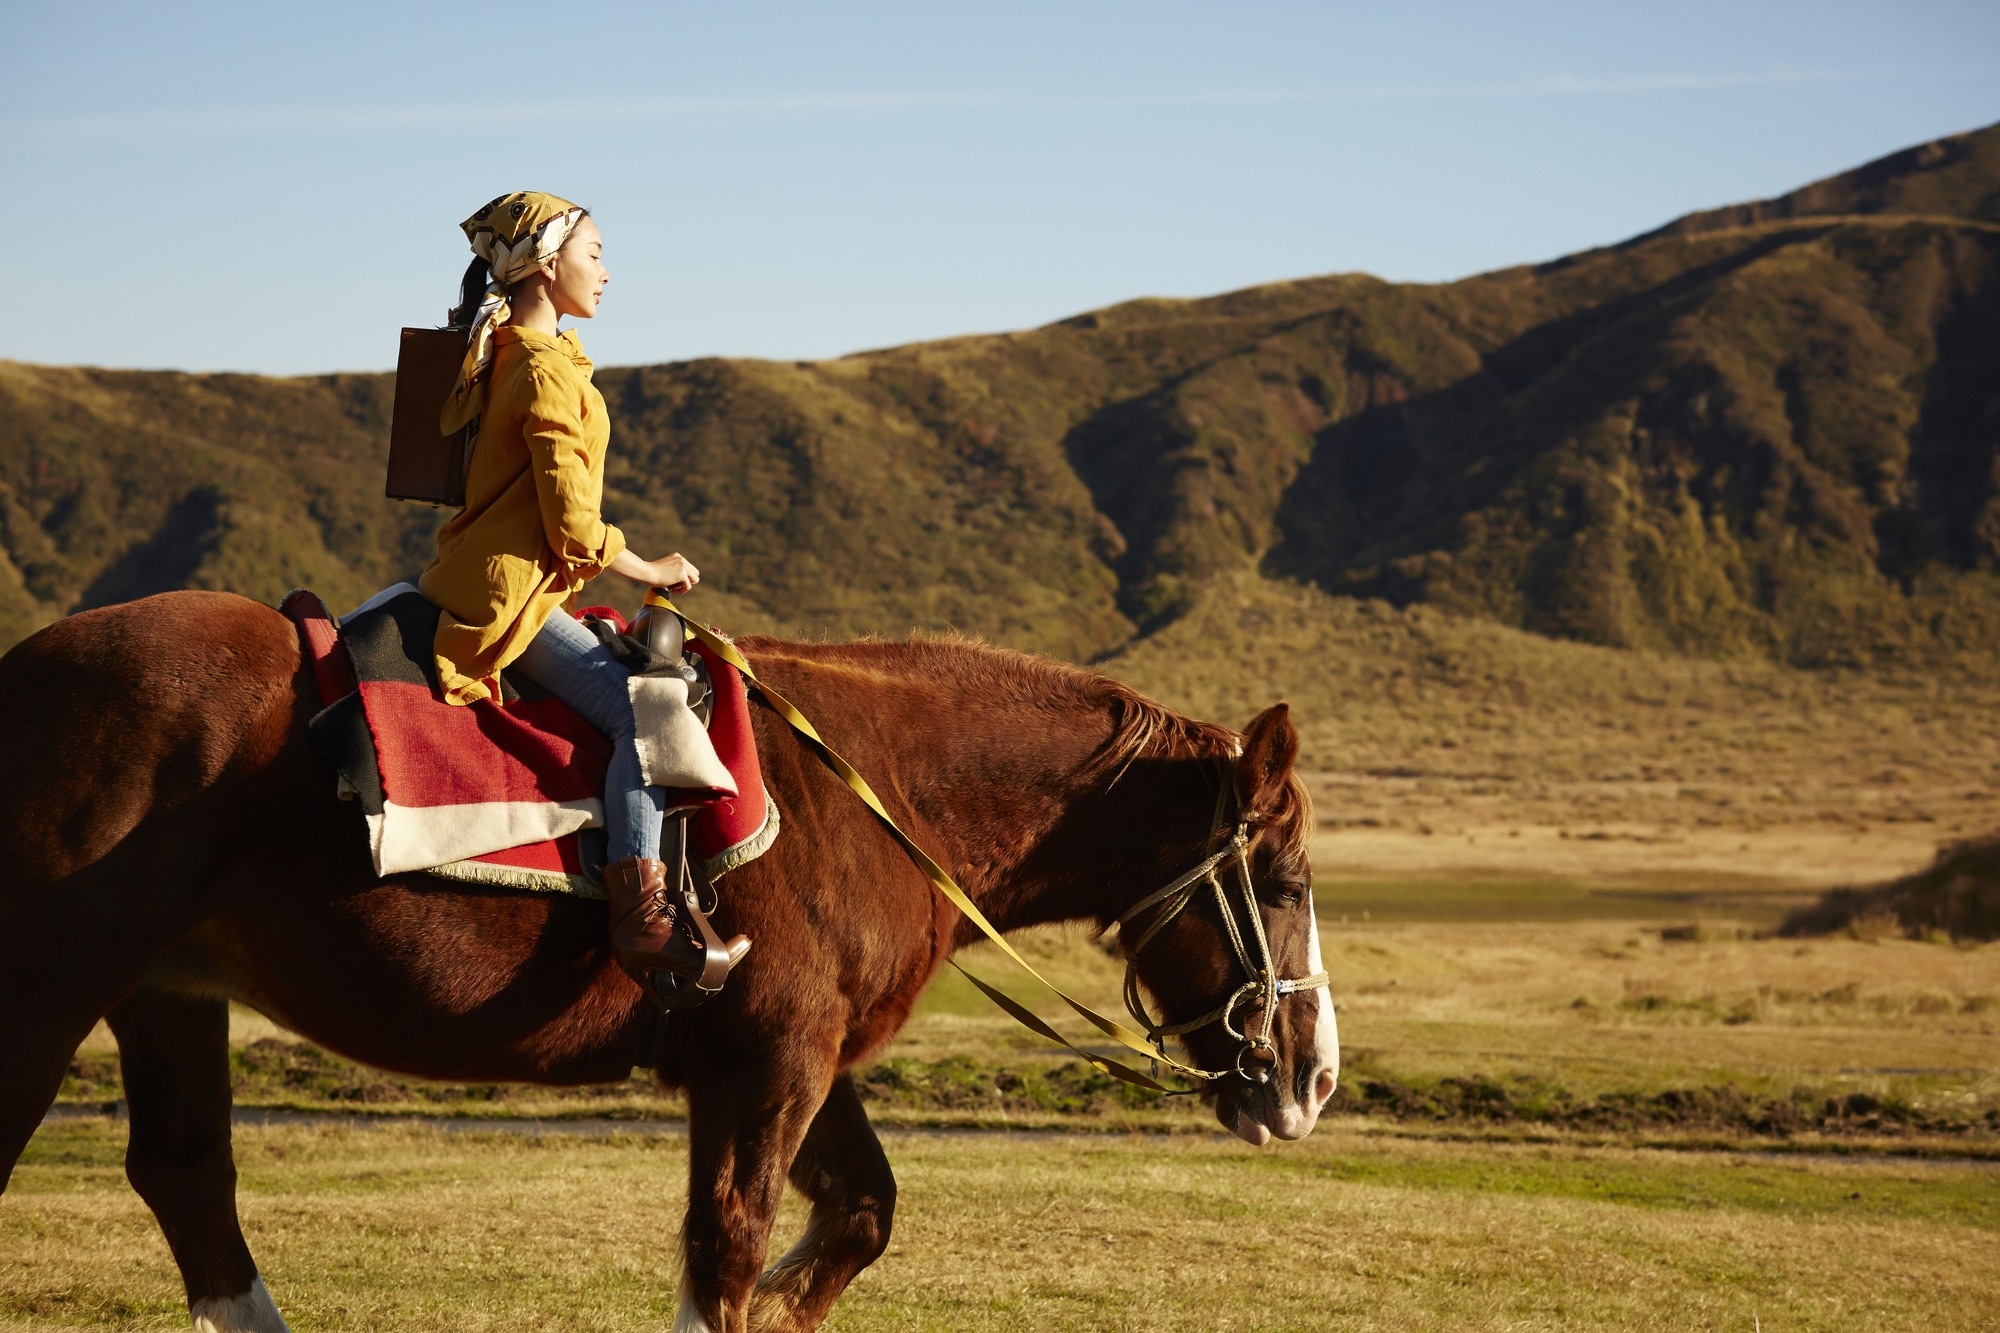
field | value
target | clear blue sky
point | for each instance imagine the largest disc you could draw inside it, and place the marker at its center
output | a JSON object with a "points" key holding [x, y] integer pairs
{"points": [[275, 186]]}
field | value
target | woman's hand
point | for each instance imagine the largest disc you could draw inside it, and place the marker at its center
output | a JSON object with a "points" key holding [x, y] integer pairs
{"points": [[675, 573]]}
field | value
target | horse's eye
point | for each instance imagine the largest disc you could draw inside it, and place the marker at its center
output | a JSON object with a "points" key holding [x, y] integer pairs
{"points": [[1291, 892]]}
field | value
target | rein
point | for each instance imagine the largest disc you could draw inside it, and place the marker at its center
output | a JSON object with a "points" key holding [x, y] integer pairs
{"points": [[1155, 1049]]}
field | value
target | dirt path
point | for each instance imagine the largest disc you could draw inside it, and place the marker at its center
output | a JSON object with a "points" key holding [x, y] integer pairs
{"points": [[595, 1128]]}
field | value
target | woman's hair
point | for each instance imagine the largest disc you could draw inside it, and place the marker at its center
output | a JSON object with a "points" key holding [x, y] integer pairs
{"points": [[472, 287]]}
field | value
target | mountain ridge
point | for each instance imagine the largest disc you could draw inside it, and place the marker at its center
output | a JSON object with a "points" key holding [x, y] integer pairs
{"points": [[1769, 430], [1950, 177]]}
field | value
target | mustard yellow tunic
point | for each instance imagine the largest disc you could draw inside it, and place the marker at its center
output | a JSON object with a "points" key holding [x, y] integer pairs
{"points": [[532, 529]]}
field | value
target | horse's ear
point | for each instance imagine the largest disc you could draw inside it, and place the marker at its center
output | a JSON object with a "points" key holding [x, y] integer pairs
{"points": [[1270, 748]]}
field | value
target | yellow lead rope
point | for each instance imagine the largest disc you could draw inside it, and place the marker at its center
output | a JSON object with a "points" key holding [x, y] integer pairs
{"points": [[939, 877]]}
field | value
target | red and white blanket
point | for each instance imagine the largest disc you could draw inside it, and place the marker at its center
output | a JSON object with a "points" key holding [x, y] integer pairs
{"points": [[503, 792]]}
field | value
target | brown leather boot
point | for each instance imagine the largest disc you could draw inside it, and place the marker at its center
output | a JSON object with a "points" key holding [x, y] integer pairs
{"points": [[644, 921], [649, 935]]}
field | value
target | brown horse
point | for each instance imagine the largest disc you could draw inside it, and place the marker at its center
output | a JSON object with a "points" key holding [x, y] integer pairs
{"points": [[169, 841]]}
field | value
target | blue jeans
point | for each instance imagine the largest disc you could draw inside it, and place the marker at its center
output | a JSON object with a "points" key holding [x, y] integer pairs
{"points": [[567, 660]]}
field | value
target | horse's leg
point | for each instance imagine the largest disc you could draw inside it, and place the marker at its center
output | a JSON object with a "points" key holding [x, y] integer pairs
{"points": [[174, 1051], [745, 1124], [842, 1169], [35, 1049], [66, 955]]}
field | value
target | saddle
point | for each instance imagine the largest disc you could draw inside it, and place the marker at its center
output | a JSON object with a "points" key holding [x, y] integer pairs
{"points": [[508, 792], [654, 644]]}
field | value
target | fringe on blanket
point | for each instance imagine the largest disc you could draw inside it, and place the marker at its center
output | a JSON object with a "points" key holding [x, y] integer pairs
{"points": [[585, 886]]}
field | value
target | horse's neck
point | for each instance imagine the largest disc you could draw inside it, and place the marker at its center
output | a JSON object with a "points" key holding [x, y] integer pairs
{"points": [[1001, 759], [1118, 841]]}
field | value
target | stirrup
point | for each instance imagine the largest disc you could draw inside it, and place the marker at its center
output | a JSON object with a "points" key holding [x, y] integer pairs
{"points": [[673, 990]]}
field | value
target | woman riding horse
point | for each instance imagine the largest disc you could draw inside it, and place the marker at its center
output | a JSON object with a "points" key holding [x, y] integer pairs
{"points": [[170, 841], [532, 532]]}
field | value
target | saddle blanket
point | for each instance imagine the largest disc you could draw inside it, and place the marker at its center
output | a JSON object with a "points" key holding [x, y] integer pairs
{"points": [[510, 792]]}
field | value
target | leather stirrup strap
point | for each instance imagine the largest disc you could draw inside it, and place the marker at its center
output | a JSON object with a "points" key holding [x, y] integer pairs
{"points": [[715, 961]]}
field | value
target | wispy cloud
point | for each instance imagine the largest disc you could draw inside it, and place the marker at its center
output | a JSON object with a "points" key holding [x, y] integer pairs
{"points": [[1551, 86], [268, 120], [292, 120]]}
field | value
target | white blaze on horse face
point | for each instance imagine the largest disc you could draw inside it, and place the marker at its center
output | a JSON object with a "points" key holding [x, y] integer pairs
{"points": [[252, 1312], [1257, 1120], [1326, 1032]]}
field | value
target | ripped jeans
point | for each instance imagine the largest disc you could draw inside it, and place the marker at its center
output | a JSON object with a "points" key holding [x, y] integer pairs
{"points": [[567, 660]]}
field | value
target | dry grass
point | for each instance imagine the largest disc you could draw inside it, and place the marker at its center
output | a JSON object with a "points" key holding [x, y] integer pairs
{"points": [[1542, 865], [408, 1229], [1370, 1224], [1608, 1006], [1425, 728], [1588, 1007]]}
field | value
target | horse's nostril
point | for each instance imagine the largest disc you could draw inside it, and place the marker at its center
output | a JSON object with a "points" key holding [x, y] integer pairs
{"points": [[1323, 1086]]}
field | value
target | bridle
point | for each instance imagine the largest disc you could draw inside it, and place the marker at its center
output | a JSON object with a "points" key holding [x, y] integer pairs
{"points": [[1262, 984]]}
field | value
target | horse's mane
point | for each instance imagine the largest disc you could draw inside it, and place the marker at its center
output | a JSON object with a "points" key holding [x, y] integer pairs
{"points": [[1142, 727]]}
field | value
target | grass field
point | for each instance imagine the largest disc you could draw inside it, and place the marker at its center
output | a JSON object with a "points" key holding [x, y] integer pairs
{"points": [[1585, 1009], [1546, 977], [1382, 1220], [1558, 1013], [409, 1228], [1438, 741], [1582, 1087]]}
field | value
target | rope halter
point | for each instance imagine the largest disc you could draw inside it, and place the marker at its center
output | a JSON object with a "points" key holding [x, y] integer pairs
{"points": [[1262, 982]]}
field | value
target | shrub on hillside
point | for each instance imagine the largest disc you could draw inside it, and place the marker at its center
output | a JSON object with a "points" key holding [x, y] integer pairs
{"points": [[1958, 895]]}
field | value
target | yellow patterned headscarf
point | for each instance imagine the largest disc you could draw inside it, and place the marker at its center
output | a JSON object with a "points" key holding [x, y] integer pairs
{"points": [[515, 234]]}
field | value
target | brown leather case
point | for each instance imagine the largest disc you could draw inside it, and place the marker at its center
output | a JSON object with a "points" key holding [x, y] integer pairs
{"points": [[423, 464]]}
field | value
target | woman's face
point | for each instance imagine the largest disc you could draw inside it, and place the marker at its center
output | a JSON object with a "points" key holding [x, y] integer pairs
{"points": [[577, 274]]}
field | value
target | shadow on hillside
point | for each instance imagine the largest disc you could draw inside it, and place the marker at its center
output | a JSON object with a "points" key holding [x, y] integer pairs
{"points": [[168, 559], [1952, 516], [1392, 483], [1131, 456], [1617, 476]]}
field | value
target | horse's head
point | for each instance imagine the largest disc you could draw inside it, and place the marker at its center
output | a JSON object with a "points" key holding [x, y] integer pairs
{"points": [[1230, 949]]}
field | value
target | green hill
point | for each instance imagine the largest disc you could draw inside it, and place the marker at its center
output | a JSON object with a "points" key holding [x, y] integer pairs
{"points": [[1770, 430]]}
